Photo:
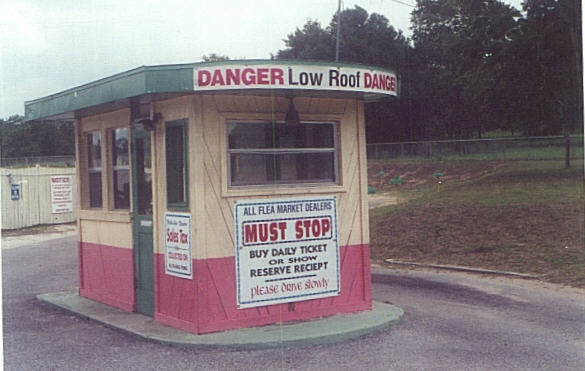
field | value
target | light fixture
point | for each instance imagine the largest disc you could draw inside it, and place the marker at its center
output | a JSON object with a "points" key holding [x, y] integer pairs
{"points": [[292, 116], [146, 123]]}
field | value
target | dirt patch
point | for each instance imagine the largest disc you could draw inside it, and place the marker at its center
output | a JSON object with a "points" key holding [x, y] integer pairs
{"points": [[38, 229], [526, 217], [37, 234], [420, 174], [535, 239], [381, 200]]}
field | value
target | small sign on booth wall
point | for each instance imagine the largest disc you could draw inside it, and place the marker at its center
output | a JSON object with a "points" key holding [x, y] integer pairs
{"points": [[178, 245], [286, 250]]}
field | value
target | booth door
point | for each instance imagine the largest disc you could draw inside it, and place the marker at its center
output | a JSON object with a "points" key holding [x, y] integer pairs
{"points": [[142, 211]]}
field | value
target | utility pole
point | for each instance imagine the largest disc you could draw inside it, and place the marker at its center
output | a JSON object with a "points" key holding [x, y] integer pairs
{"points": [[338, 31]]}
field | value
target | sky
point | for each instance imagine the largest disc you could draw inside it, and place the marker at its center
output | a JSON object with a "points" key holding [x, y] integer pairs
{"points": [[47, 46]]}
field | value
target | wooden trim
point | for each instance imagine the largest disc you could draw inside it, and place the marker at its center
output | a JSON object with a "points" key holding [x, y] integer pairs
{"points": [[110, 133], [82, 178], [362, 157], [80, 270], [105, 124], [107, 169], [278, 190], [106, 216], [194, 153]]}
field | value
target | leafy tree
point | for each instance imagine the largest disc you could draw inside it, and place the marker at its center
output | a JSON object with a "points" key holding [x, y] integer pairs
{"points": [[552, 35], [312, 42], [367, 39], [37, 138], [459, 47], [213, 57]]}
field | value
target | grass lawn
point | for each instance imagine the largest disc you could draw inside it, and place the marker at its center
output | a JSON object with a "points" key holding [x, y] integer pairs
{"points": [[522, 216]]}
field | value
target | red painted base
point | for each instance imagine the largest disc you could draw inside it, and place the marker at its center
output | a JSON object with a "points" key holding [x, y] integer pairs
{"points": [[106, 274], [208, 303]]}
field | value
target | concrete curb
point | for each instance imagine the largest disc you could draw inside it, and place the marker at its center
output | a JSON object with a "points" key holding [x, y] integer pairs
{"points": [[463, 269], [325, 330]]}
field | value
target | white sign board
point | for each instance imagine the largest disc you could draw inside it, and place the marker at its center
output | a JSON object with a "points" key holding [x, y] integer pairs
{"points": [[295, 76], [61, 194], [286, 250], [178, 245]]}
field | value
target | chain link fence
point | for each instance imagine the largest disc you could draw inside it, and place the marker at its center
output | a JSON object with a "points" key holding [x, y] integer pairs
{"points": [[513, 148], [45, 161], [516, 148]]}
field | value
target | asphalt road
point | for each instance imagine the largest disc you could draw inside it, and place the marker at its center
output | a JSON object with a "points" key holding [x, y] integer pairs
{"points": [[451, 322]]}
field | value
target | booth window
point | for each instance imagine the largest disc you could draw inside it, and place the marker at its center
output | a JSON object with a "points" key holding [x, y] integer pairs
{"points": [[176, 158], [94, 168], [121, 168], [263, 153]]}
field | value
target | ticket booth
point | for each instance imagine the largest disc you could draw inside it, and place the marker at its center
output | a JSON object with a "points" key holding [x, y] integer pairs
{"points": [[223, 195]]}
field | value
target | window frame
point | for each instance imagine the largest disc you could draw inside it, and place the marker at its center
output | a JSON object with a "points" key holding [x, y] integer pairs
{"points": [[182, 205], [335, 150], [117, 168], [94, 169]]}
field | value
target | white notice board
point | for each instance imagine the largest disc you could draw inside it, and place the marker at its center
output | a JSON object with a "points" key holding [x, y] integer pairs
{"points": [[61, 194], [178, 261], [286, 250]]}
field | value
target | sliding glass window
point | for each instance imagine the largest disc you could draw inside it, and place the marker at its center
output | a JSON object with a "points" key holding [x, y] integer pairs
{"points": [[265, 153]]}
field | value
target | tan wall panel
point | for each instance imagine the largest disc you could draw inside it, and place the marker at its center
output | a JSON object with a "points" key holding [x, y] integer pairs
{"points": [[217, 220], [365, 222], [175, 109], [106, 120], [171, 110], [211, 204], [106, 233], [256, 104], [350, 208]]}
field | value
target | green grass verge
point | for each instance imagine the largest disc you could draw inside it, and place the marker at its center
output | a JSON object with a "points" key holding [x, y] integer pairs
{"points": [[523, 216]]}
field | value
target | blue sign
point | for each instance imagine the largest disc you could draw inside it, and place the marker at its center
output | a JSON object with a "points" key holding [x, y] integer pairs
{"points": [[15, 192]]}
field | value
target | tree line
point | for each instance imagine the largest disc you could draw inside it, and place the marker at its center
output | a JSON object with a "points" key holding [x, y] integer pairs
{"points": [[470, 67], [36, 138]]}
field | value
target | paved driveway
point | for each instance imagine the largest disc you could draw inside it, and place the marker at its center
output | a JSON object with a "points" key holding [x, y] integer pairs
{"points": [[452, 322]]}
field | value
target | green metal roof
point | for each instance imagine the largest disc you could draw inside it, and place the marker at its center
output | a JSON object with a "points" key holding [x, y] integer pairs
{"points": [[156, 81]]}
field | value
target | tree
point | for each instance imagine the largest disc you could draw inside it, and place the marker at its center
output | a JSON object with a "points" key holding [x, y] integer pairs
{"points": [[312, 42], [37, 138], [458, 46], [213, 57], [552, 30], [366, 39]]}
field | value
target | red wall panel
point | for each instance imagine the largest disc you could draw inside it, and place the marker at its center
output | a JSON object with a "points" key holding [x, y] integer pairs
{"points": [[215, 285], [107, 275]]}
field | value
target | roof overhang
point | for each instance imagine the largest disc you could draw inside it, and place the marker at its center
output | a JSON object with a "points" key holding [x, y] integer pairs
{"points": [[257, 77]]}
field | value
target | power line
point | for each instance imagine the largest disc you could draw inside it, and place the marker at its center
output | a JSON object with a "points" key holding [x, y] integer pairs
{"points": [[404, 3]]}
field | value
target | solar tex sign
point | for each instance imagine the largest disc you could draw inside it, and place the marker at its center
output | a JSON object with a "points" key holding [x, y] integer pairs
{"points": [[286, 250]]}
